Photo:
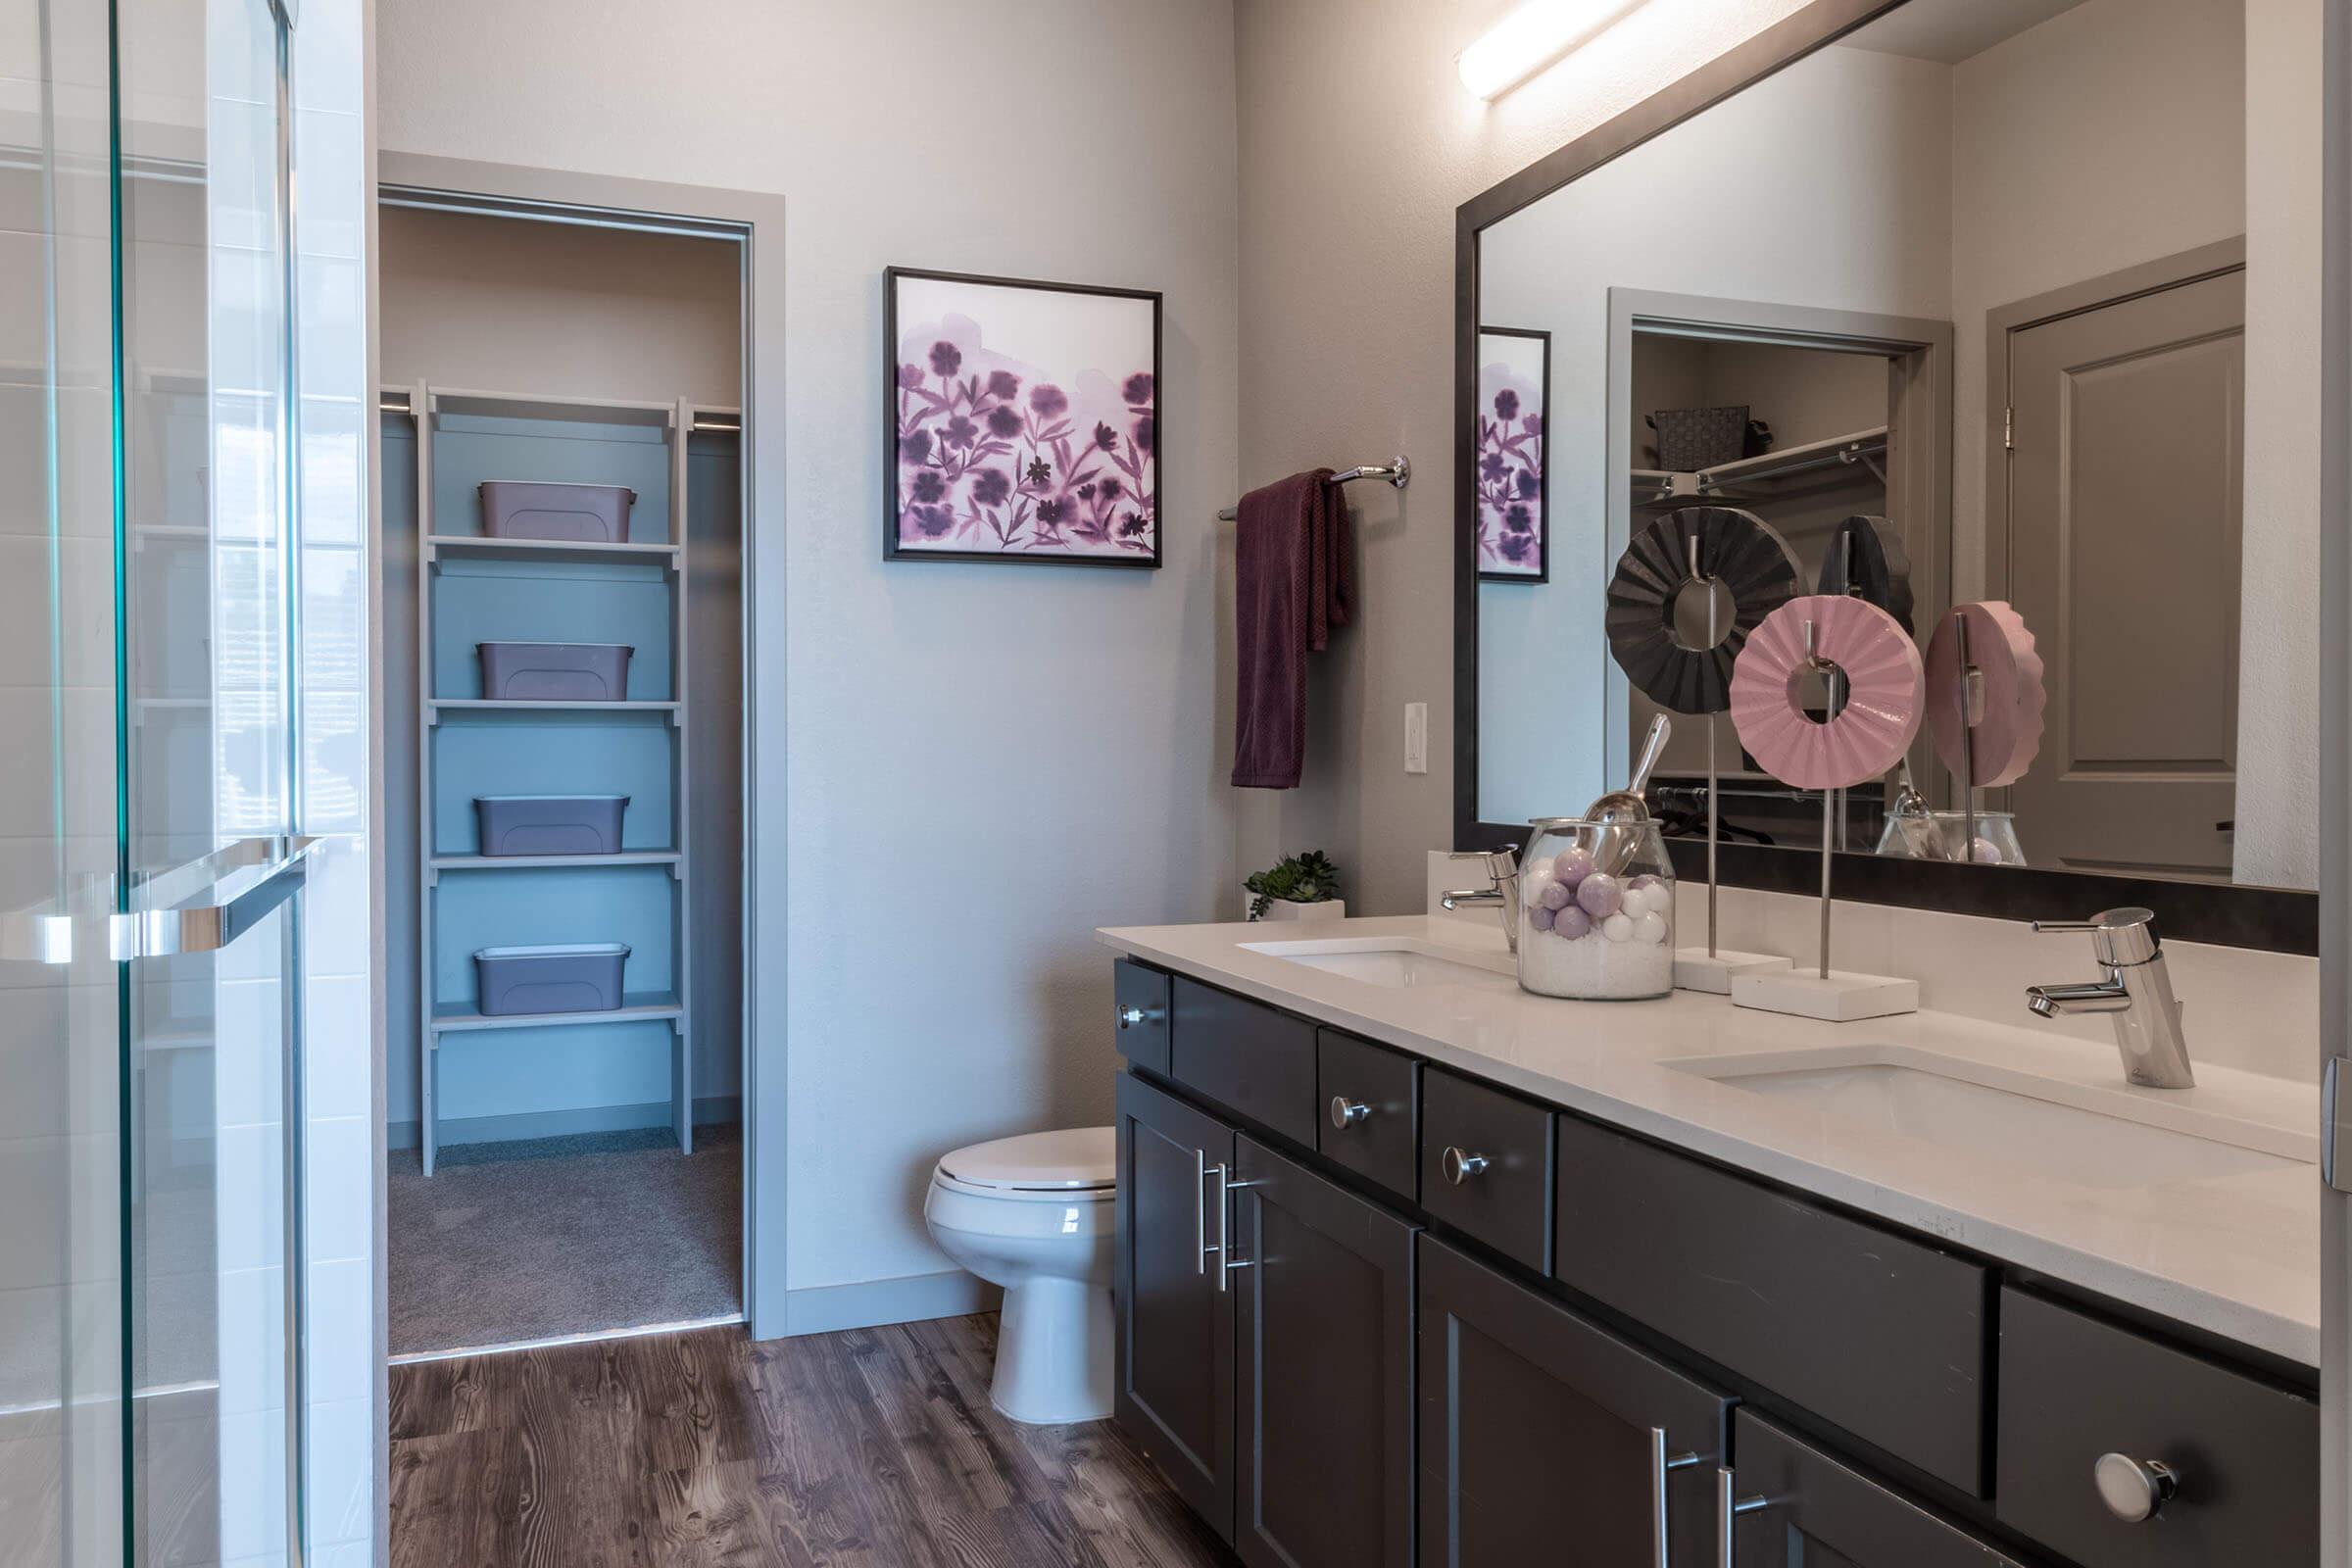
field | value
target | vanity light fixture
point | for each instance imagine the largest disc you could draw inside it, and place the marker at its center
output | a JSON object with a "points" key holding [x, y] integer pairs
{"points": [[1537, 35]]}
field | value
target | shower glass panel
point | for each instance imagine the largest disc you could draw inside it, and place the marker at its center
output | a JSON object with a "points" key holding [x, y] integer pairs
{"points": [[150, 1305]]}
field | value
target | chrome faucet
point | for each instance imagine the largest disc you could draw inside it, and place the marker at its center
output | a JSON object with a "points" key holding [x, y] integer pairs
{"points": [[2136, 995], [1503, 874]]}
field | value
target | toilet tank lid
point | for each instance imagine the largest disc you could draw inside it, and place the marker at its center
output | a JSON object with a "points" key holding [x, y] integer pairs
{"points": [[1067, 1161]]}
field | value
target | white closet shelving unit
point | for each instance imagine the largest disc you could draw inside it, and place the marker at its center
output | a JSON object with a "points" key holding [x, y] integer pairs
{"points": [[449, 547]]}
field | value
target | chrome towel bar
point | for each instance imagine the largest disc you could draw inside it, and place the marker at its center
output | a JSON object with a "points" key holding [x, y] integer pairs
{"points": [[1397, 471]]}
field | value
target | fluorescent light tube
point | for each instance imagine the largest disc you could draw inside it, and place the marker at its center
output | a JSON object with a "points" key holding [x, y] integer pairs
{"points": [[1529, 38]]}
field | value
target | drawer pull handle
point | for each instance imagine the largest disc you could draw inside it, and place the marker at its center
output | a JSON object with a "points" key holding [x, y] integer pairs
{"points": [[1345, 1113], [1728, 1506], [1201, 1210], [2134, 1489], [1660, 1462], [1136, 1017], [1460, 1167]]}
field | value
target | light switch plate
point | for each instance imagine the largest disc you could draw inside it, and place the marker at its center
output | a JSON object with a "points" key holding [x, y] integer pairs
{"points": [[1416, 737]]}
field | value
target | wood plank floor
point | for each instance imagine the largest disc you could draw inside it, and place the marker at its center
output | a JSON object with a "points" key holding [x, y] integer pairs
{"points": [[874, 1448]]}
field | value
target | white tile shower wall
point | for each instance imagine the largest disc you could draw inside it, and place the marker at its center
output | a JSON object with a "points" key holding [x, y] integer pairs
{"points": [[332, 85], [2259, 1011]]}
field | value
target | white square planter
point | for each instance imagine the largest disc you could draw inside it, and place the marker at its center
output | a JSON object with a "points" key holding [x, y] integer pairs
{"points": [[1285, 909]]}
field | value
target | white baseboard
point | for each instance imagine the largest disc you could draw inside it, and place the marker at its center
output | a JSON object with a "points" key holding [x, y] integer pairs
{"points": [[513, 1128]]}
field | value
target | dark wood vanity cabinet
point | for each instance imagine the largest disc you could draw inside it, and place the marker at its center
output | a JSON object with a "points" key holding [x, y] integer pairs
{"points": [[1323, 1333], [1174, 1391], [1545, 1438], [1264, 1358], [1348, 1347], [2239, 1456]]}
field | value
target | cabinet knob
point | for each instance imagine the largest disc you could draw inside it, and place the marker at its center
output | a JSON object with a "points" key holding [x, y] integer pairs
{"points": [[1130, 1017], [2134, 1489], [1460, 1167], [1345, 1113]]}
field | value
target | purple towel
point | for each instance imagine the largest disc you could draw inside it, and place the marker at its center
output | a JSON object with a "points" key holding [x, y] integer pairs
{"points": [[1291, 584]]}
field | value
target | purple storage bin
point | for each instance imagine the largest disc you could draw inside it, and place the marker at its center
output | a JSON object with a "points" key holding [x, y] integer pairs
{"points": [[549, 824], [576, 513], [555, 672], [574, 977]]}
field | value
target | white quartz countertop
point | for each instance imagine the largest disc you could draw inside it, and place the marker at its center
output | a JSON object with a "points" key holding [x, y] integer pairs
{"points": [[2235, 1254]]}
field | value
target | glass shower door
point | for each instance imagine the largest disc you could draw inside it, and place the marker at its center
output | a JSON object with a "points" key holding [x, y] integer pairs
{"points": [[150, 1240]]}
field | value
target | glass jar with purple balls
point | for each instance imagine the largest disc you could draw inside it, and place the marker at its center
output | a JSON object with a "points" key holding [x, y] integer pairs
{"points": [[1596, 910]]}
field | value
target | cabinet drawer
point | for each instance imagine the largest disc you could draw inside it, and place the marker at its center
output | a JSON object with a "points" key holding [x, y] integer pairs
{"points": [[1245, 1057], [1496, 1184], [1873, 1333], [1139, 998], [2245, 1456], [1817, 1509], [1378, 1141]]}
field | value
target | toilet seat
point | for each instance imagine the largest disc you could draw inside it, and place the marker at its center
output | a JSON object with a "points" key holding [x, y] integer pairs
{"points": [[1072, 1165]]}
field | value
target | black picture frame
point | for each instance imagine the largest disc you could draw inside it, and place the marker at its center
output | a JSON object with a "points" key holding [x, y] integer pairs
{"points": [[2276, 920], [1543, 571], [894, 549]]}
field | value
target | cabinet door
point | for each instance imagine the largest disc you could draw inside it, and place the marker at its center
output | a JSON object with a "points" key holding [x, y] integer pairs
{"points": [[1323, 1296], [1545, 1438], [1175, 1325], [1800, 1508]]}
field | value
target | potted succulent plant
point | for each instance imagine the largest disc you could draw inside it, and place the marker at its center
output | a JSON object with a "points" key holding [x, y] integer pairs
{"points": [[1303, 887]]}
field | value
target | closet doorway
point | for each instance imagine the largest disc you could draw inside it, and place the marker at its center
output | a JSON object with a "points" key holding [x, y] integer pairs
{"points": [[564, 771], [1814, 422]]}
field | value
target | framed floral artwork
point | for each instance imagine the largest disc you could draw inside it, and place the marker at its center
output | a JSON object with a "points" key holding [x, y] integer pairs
{"points": [[1514, 393], [1023, 420]]}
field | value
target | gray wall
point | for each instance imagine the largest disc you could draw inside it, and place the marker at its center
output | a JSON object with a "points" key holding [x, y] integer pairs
{"points": [[1361, 143], [981, 763]]}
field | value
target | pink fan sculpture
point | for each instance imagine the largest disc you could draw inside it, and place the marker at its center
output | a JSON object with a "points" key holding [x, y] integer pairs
{"points": [[1886, 690]]}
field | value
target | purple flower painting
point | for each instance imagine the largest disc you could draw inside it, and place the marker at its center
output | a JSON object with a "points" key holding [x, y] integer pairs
{"points": [[1024, 421], [1514, 384]]}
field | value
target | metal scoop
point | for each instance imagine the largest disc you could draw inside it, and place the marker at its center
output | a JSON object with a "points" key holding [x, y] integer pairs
{"points": [[1626, 808]]}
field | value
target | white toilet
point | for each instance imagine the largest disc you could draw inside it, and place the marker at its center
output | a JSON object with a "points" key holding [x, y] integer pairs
{"points": [[1033, 1214]]}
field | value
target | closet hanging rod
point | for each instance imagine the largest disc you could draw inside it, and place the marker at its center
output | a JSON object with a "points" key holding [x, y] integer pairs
{"points": [[1398, 472]]}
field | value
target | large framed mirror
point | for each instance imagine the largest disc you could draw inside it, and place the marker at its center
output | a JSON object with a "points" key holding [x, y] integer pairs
{"points": [[1964, 301]]}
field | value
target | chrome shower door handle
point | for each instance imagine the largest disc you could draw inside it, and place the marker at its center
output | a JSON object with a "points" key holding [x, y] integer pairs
{"points": [[280, 866], [1661, 1462], [260, 872]]}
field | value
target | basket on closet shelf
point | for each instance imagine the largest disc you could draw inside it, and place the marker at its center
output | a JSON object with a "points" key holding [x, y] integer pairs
{"points": [[555, 672], [573, 513], [549, 824], [568, 977]]}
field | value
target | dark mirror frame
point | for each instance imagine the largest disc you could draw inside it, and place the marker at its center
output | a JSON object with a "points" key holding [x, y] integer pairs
{"points": [[2279, 919]]}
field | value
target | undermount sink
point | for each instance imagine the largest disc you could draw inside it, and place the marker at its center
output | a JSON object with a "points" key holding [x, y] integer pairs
{"points": [[2066, 1131], [1396, 962]]}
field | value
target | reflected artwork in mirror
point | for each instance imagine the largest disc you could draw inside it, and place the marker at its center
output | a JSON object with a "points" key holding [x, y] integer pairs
{"points": [[1966, 323]]}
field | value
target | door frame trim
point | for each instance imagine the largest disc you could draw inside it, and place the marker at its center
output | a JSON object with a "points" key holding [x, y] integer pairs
{"points": [[2001, 324], [757, 220]]}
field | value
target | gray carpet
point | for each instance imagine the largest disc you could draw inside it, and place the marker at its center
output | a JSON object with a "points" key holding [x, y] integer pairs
{"points": [[523, 1241]]}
